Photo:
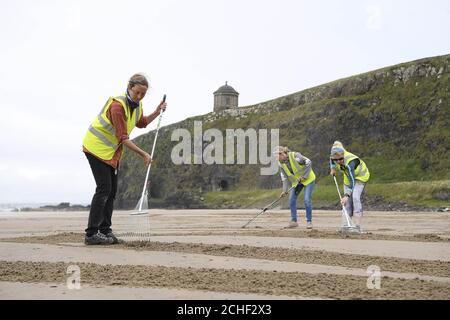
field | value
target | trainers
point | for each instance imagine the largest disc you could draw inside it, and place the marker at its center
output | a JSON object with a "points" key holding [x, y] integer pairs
{"points": [[112, 236], [309, 225], [97, 239], [292, 224]]}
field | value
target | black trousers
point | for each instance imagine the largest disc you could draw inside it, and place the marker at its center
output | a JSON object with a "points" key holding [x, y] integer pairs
{"points": [[103, 201]]}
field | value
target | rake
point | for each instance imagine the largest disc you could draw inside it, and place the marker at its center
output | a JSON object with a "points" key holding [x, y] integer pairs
{"points": [[269, 206], [139, 219], [347, 224], [142, 205]]}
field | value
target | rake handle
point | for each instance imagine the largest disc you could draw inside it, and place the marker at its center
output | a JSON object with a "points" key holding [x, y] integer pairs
{"points": [[340, 197], [153, 150], [337, 187], [267, 207]]}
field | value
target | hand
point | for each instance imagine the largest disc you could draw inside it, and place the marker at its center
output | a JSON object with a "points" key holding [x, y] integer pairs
{"points": [[162, 107], [283, 194], [344, 201], [333, 172], [147, 159]]}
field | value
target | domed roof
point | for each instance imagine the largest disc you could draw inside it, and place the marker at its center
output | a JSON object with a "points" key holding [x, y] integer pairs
{"points": [[226, 89]]}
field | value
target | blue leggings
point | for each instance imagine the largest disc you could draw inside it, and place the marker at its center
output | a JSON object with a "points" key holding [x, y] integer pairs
{"points": [[308, 200]]}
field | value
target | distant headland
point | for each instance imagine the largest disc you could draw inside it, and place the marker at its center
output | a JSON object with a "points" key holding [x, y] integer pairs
{"points": [[63, 206]]}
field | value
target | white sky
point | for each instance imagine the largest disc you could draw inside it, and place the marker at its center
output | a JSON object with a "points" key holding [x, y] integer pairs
{"points": [[60, 61]]}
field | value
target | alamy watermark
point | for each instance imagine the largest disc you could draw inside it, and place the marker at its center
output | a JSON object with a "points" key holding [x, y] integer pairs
{"points": [[74, 280], [221, 149], [374, 279]]}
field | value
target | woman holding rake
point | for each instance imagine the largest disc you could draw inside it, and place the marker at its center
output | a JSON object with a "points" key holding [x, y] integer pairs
{"points": [[356, 175], [103, 147], [297, 171]]}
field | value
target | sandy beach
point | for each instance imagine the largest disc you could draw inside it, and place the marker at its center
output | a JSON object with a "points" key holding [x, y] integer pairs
{"points": [[206, 254]]}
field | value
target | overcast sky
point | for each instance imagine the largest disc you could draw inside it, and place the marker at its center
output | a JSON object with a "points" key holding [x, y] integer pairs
{"points": [[60, 61]]}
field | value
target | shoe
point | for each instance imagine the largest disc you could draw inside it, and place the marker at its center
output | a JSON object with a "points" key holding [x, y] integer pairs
{"points": [[97, 239], [113, 237], [292, 224], [309, 225]]}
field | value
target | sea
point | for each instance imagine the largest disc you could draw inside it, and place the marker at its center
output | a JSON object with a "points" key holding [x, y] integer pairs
{"points": [[14, 206]]}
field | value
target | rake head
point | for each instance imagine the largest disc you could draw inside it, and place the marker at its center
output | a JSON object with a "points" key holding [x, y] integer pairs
{"points": [[142, 205], [350, 230]]}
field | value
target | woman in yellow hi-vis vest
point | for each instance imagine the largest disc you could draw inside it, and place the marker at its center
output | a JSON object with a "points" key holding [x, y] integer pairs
{"points": [[356, 175], [296, 171], [103, 146]]}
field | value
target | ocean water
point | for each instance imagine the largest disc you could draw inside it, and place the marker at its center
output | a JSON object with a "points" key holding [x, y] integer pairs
{"points": [[13, 206], [8, 207]]}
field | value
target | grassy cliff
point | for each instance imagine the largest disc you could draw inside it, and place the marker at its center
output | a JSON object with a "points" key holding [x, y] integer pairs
{"points": [[396, 119]]}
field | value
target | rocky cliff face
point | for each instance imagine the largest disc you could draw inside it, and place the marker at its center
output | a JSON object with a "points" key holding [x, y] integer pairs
{"points": [[394, 118]]}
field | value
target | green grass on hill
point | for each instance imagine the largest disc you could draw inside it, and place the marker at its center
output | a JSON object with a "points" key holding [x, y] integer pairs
{"points": [[411, 192]]}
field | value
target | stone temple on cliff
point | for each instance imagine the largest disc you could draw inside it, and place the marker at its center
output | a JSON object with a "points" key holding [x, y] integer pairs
{"points": [[225, 98]]}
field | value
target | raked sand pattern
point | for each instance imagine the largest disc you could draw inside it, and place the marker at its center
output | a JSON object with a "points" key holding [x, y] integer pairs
{"points": [[205, 254]]}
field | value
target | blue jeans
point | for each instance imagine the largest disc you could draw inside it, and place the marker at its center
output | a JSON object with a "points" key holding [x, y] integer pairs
{"points": [[308, 200]]}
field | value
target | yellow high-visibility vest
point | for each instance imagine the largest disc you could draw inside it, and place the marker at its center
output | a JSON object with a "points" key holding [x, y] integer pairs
{"points": [[100, 138], [361, 172], [298, 169]]}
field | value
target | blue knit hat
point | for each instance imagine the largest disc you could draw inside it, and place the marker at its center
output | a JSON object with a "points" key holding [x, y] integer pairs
{"points": [[337, 148]]}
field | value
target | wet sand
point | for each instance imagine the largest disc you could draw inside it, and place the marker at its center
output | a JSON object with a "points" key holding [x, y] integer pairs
{"points": [[193, 251]]}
